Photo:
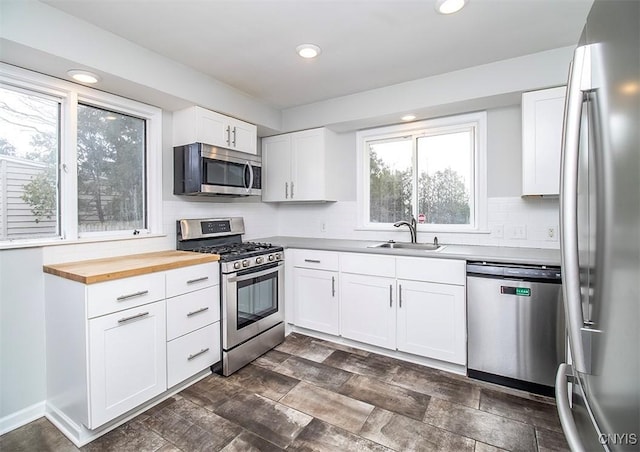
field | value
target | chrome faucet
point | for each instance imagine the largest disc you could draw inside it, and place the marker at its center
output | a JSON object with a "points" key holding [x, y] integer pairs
{"points": [[435, 241], [412, 228]]}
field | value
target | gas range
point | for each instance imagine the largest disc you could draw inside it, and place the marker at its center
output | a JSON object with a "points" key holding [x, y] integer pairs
{"points": [[251, 287], [222, 236]]}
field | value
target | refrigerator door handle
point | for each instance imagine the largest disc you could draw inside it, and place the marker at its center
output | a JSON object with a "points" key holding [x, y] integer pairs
{"points": [[564, 410], [569, 204]]}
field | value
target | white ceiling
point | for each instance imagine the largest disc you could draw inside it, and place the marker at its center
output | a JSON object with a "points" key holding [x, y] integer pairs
{"points": [[366, 44]]}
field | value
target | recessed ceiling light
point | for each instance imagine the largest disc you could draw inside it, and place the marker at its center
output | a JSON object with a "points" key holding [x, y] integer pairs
{"points": [[308, 50], [450, 6], [83, 76], [408, 117]]}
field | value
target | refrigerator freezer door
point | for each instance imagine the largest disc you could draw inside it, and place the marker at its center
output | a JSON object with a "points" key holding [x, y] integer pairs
{"points": [[604, 306]]}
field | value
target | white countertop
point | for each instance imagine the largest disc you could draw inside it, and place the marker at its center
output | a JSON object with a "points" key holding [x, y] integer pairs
{"points": [[531, 256]]}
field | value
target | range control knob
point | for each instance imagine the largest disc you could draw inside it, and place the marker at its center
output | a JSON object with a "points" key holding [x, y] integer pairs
{"points": [[271, 257], [236, 265], [245, 263], [277, 255], [259, 260]]}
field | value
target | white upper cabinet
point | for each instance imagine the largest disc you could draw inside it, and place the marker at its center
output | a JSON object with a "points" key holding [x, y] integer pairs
{"points": [[542, 116], [297, 166], [199, 125]]}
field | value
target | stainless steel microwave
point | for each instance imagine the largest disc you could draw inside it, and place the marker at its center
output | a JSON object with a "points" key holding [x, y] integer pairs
{"points": [[200, 169]]}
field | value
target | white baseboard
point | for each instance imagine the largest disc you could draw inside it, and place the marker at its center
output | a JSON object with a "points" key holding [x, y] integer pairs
{"points": [[79, 435], [22, 417]]}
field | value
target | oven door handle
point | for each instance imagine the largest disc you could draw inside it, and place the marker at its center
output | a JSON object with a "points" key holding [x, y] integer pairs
{"points": [[236, 278]]}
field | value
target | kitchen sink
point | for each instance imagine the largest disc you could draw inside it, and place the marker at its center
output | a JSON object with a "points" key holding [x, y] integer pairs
{"points": [[408, 246]]}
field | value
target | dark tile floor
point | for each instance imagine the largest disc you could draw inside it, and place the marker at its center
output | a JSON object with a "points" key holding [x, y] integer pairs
{"points": [[313, 395]]}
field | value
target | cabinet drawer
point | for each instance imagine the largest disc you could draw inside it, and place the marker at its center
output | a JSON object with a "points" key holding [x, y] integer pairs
{"points": [[445, 271], [321, 260], [368, 264], [191, 311], [188, 355], [194, 277], [112, 296]]}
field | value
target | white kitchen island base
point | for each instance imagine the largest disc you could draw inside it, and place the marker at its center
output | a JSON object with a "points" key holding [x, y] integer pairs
{"points": [[79, 435]]}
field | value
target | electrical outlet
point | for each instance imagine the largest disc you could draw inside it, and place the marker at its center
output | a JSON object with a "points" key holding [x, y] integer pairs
{"points": [[518, 232], [497, 231], [551, 233]]}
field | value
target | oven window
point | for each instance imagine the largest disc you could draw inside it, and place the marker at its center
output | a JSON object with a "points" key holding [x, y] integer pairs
{"points": [[257, 298], [227, 174]]}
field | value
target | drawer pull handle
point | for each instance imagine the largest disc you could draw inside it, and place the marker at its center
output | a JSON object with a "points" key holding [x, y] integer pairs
{"points": [[204, 350], [137, 316], [312, 261], [197, 280], [132, 295], [198, 311]]}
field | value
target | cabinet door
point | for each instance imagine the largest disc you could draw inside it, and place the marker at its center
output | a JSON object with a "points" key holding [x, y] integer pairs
{"points": [[542, 115], [212, 128], [431, 320], [308, 165], [127, 361], [244, 136], [276, 162], [368, 309], [316, 300]]}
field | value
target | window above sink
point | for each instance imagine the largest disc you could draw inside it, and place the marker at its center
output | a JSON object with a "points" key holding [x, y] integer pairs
{"points": [[433, 170]]}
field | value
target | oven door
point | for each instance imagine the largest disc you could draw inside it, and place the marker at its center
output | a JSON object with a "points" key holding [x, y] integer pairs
{"points": [[251, 303]]}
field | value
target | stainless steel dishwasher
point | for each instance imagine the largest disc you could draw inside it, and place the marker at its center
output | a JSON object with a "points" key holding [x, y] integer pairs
{"points": [[516, 329]]}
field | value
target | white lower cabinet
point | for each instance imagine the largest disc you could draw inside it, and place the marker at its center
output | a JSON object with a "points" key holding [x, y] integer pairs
{"points": [[410, 304], [113, 346], [368, 309], [127, 360], [316, 300], [431, 320]]}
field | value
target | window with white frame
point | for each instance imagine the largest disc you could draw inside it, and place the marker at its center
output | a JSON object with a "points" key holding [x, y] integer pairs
{"points": [[75, 162], [431, 170]]}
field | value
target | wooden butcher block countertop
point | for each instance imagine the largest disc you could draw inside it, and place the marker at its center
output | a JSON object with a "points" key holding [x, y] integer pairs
{"points": [[99, 270]]}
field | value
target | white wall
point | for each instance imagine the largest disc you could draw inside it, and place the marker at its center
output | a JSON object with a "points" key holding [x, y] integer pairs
{"points": [[22, 350], [482, 87]]}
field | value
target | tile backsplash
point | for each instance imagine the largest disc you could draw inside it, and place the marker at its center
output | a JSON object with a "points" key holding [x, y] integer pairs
{"points": [[513, 221]]}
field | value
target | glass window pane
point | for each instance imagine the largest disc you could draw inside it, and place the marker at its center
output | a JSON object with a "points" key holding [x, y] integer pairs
{"points": [[445, 169], [111, 170], [29, 155], [390, 180]]}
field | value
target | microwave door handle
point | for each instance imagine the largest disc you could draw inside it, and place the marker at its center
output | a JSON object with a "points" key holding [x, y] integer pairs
{"points": [[250, 176]]}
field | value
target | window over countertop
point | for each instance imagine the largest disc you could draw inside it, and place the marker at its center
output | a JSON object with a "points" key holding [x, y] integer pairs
{"points": [[75, 163], [433, 170]]}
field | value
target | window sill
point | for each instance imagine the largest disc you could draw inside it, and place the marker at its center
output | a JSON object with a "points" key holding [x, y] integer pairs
{"points": [[41, 243]]}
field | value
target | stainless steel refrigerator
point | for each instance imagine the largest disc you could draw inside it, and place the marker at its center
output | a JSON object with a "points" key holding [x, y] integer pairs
{"points": [[598, 393]]}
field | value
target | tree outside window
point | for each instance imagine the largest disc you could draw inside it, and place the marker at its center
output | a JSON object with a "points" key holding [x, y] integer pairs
{"points": [[428, 174]]}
